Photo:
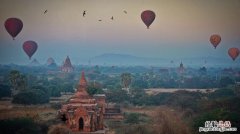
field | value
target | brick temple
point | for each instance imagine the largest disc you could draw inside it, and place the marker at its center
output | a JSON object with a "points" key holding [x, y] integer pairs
{"points": [[83, 112]]}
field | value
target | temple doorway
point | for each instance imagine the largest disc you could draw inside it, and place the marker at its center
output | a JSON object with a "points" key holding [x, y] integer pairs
{"points": [[81, 124]]}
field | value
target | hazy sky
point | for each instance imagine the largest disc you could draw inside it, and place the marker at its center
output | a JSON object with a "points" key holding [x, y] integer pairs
{"points": [[181, 29]]}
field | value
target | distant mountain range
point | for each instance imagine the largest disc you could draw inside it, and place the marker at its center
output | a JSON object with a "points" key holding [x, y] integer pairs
{"points": [[111, 59], [124, 59], [34, 63]]}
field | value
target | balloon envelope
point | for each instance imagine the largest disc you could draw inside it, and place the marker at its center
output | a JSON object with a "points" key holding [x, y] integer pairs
{"points": [[215, 40], [148, 17], [233, 53], [30, 47], [13, 26]]}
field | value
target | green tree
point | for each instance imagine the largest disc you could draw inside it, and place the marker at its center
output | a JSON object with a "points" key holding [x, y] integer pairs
{"points": [[54, 91], [225, 81], [139, 84], [94, 88], [31, 79], [66, 87]]}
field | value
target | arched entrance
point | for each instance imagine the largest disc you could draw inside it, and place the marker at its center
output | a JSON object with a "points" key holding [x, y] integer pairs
{"points": [[81, 124]]}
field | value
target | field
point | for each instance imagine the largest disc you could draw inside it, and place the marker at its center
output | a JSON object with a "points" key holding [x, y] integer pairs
{"points": [[154, 91], [36, 112], [160, 119], [175, 116]]}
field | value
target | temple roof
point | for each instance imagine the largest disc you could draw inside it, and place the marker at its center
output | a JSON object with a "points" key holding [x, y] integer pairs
{"points": [[34, 63], [181, 65], [50, 61], [83, 81], [82, 89], [67, 63]]}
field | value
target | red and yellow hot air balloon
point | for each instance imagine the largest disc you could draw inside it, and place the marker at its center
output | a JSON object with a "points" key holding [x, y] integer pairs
{"points": [[215, 39], [13, 26], [30, 47], [233, 53], [148, 17]]}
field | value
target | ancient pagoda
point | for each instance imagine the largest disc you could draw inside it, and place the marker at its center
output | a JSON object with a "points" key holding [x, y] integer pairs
{"points": [[67, 66], [83, 112], [51, 62], [181, 68]]}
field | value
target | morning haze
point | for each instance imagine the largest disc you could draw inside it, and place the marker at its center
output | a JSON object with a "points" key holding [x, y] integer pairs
{"points": [[181, 29]]}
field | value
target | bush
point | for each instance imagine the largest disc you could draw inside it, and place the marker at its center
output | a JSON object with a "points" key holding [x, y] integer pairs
{"points": [[5, 91], [159, 99], [222, 93], [135, 118], [20, 126], [217, 115], [59, 129], [56, 105], [35, 96], [132, 118], [137, 129], [117, 96]]}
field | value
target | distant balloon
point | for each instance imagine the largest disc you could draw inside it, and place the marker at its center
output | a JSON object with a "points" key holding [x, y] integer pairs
{"points": [[30, 47], [233, 53], [148, 17], [13, 26], [215, 40]]}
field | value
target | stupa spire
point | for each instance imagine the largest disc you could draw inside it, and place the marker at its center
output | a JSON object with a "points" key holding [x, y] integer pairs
{"points": [[83, 81]]}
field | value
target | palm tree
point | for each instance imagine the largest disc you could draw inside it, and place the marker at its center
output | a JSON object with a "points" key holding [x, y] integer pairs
{"points": [[22, 83], [126, 80], [13, 78], [17, 81]]}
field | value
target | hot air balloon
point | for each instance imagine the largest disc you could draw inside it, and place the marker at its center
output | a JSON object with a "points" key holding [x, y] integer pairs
{"points": [[233, 53], [215, 39], [30, 47], [13, 26], [148, 17]]}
